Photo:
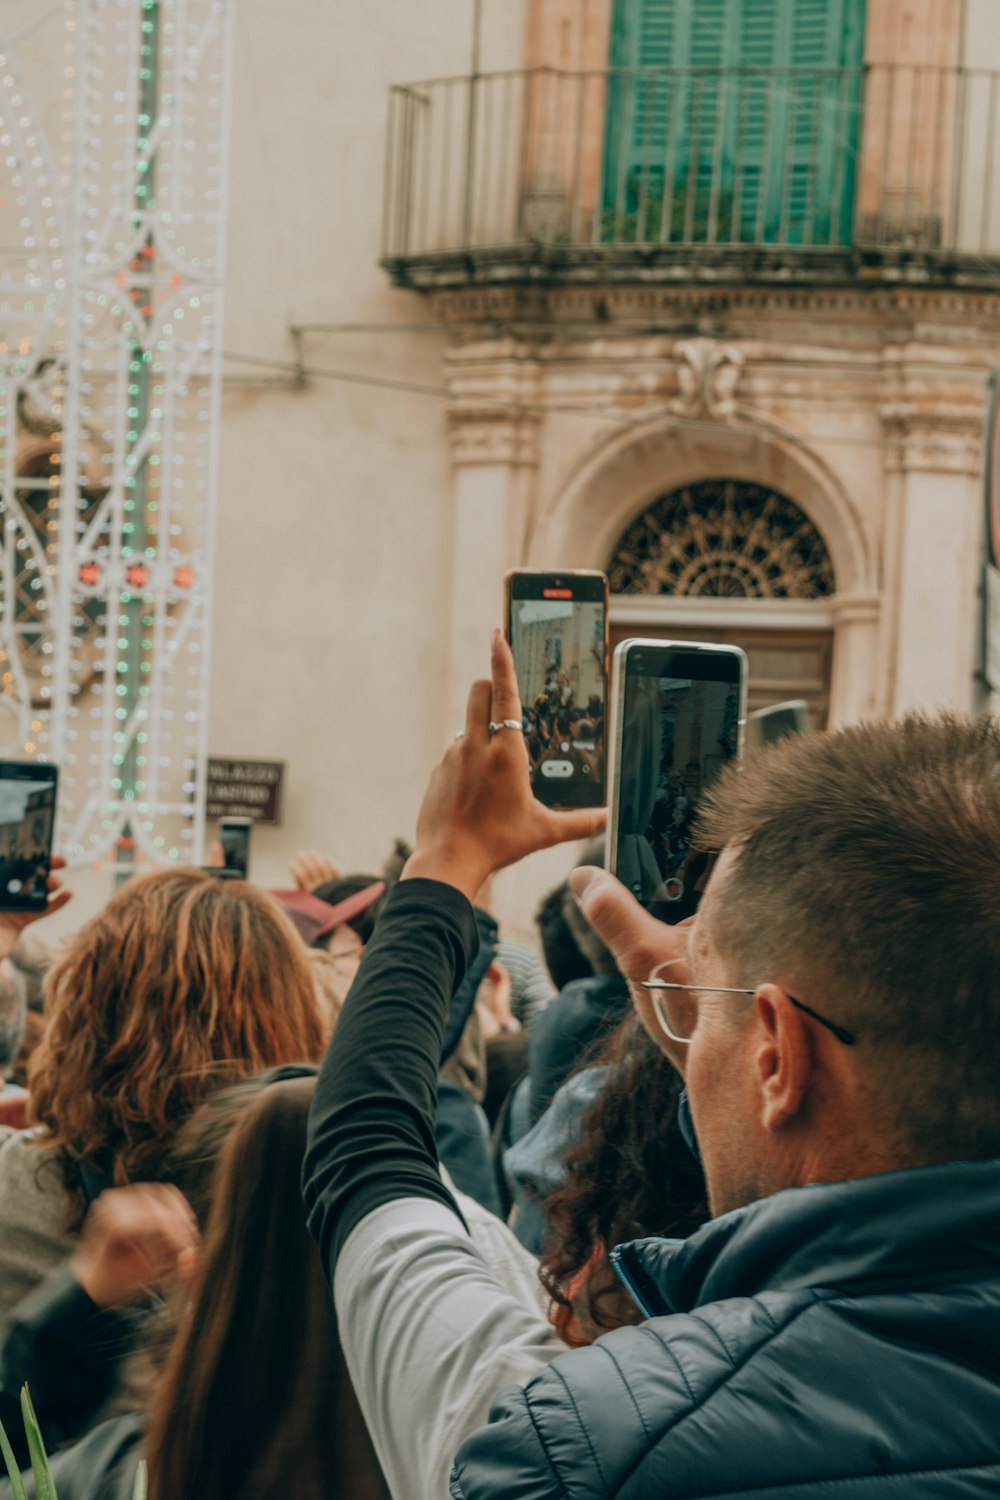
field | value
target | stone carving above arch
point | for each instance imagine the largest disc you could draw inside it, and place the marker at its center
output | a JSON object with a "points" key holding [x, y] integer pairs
{"points": [[708, 377], [622, 477], [723, 539]]}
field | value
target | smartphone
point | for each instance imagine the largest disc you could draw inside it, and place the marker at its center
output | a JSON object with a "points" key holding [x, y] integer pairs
{"points": [[27, 823], [679, 714], [234, 836], [557, 626], [769, 724]]}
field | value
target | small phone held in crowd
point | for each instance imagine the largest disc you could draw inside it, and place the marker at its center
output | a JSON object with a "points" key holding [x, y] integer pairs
{"points": [[557, 626], [27, 824], [678, 716], [766, 725], [234, 836]]}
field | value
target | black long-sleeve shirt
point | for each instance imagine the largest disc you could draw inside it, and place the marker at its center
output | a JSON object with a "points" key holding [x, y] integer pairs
{"points": [[371, 1130]]}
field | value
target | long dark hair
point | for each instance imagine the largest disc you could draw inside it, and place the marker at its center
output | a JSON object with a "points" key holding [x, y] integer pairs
{"points": [[630, 1175], [255, 1400]]}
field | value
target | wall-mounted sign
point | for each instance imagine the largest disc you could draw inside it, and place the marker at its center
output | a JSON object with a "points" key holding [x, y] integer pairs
{"points": [[245, 789]]}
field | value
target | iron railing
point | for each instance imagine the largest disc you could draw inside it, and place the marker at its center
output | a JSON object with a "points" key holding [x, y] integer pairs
{"points": [[497, 168]]}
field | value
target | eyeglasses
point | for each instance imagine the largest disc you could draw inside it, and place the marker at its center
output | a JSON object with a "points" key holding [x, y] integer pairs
{"points": [[677, 1010]]}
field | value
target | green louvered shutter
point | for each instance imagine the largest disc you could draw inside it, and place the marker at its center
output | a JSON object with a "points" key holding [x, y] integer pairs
{"points": [[641, 109], [766, 151]]}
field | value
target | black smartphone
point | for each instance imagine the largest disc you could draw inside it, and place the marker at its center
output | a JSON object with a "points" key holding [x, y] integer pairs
{"points": [[766, 725], [27, 824], [557, 626], [678, 715], [234, 836]]}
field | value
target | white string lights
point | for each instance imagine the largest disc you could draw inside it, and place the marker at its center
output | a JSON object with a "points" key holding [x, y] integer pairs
{"points": [[121, 699]]}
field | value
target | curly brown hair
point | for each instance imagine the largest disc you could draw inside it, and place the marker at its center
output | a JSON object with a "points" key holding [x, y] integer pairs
{"points": [[181, 984], [630, 1175]]}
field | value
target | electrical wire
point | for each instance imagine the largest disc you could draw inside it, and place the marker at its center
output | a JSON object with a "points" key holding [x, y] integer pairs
{"points": [[296, 374]]}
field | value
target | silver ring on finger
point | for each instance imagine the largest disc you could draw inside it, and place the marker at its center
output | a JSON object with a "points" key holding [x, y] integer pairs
{"points": [[460, 735], [495, 728]]}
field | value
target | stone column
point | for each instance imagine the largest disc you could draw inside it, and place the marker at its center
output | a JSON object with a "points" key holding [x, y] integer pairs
{"points": [[854, 688], [493, 427], [936, 460]]}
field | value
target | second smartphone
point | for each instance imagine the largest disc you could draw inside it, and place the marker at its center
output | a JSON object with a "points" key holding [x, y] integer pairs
{"points": [[557, 626], [679, 712]]}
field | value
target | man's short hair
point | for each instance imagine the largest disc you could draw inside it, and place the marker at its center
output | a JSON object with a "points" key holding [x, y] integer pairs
{"points": [[867, 881]]}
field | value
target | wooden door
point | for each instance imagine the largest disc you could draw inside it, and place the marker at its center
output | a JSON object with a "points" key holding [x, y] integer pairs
{"points": [[784, 664]]}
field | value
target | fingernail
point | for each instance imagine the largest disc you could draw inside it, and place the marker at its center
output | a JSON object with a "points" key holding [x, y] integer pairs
{"points": [[495, 639]]}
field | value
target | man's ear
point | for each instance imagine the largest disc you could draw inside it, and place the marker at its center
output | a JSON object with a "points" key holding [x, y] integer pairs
{"points": [[784, 1058]]}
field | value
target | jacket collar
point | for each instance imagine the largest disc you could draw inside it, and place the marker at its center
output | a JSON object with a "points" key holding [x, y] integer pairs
{"points": [[923, 1226]]}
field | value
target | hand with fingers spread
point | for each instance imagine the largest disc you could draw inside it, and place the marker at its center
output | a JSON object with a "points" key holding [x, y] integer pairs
{"points": [[639, 942], [135, 1238], [479, 813], [13, 923], [309, 869]]}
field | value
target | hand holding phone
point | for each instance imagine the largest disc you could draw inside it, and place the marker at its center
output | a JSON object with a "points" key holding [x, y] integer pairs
{"points": [[27, 824]]}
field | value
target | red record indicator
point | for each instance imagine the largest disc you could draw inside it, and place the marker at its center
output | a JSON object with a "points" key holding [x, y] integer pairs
{"points": [[993, 469]]}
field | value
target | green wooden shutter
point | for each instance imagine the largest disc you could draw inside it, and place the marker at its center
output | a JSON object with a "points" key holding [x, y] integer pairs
{"points": [[753, 136], [638, 138]]}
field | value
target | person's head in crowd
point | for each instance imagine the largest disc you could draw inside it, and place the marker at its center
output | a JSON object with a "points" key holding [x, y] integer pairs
{"points": [[570, 946], [181, 984], [856, 898], [629, 1175], [255, 1399]]}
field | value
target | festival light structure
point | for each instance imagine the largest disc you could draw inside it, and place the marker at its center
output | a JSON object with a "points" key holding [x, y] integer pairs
{"points": [[111, 324]]}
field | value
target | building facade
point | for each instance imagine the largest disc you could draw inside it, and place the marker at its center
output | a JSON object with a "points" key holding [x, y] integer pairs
{"points": [[705, 293]]}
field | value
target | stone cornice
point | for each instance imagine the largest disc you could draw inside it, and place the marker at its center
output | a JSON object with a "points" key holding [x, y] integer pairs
{"points": [[939, 440], [493, 435], [972, 315]]}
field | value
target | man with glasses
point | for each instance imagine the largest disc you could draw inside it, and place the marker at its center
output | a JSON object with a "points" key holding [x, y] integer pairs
{"points": [[834, 1331]]}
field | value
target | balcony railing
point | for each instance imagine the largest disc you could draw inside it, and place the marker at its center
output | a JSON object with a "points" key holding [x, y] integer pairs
{"points": [[521, 173]]}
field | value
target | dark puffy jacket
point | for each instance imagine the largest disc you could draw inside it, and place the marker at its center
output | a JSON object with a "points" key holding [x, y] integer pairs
{"points": [[838, 1343]]}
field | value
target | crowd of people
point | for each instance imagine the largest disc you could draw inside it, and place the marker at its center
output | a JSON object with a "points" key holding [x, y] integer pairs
{"points": [[336, 1191], [557, 728]]}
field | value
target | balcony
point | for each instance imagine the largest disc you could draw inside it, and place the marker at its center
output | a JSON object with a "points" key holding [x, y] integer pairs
{"points": [[884, 173]]}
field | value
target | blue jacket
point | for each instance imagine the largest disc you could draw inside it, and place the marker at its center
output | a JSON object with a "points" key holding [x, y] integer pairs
{"points": [[839, 1342]]}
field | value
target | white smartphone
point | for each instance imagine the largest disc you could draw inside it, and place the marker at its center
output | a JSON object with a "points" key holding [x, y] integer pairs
{"points": [[678, 716]]}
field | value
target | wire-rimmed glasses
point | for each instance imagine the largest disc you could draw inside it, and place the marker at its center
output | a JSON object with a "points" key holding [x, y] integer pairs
{"points": [[677, 1009]]}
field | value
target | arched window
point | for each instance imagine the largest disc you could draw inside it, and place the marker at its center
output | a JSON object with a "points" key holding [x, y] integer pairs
{"points": [[725, 539]]}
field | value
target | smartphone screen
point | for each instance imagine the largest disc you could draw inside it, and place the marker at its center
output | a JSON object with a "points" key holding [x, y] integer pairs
{"points": [[681, 714], [234, 836], [558, 631], [27, 823]]}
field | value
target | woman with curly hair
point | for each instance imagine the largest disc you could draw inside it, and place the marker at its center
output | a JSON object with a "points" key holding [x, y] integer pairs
{"points": [[629, 1175], [183, 983]]}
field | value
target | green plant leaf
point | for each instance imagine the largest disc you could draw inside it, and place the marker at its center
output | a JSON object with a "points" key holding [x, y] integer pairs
{"points": [[139, 1488], [12, 1469], [44, 1485]]}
